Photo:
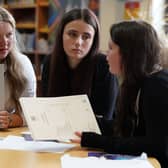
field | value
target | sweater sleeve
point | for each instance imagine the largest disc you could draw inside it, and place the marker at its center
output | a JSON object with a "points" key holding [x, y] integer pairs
{"points": [[129, 145]]}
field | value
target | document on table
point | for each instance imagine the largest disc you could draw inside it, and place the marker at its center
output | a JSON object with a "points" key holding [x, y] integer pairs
{"points": [[19, 143], [2, 86], [90, 162], [59, 117]]}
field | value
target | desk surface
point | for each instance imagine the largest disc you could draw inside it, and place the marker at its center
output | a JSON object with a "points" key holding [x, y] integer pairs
{"points": [[26, 159]]}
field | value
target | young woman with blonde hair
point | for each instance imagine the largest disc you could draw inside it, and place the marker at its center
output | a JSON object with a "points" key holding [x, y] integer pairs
{"points": [[18, 73]]}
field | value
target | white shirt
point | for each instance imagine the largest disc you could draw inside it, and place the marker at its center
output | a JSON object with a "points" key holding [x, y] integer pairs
{"points": [[30, 90]]}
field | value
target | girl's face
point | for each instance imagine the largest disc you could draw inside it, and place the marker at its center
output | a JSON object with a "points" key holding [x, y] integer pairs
{"points": [[114, 58], [77, 40], [6, 39]]}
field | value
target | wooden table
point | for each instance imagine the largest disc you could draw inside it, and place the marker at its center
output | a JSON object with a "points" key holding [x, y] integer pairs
{"points": [[26, 159]]}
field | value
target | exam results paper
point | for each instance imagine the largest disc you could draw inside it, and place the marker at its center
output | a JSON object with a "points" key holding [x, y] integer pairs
{"points": [[57, 118]]}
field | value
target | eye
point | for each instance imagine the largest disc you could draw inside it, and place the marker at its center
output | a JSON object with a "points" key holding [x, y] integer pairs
{"points": [[86, 36], [73, 34], [9, 35]]}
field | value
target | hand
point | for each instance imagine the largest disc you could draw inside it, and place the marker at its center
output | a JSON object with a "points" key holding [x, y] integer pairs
{"points": [[4, 119], [78, 140]]}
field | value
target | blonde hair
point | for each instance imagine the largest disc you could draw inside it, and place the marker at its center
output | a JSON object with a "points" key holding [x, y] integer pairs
{"points": [[14, 74]]}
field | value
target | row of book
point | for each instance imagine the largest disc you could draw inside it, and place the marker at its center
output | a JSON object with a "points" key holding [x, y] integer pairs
{"points": [[2, 2], [26, 42]]}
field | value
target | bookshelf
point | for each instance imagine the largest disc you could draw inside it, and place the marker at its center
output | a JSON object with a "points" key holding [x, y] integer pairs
{"points": [[32, 30]]}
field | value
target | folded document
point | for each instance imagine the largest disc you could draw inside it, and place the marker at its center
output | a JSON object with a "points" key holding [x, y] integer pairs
{"points": [[57, 118]]}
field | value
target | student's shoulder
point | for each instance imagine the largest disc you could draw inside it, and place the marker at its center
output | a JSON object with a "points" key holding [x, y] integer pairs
{"points": [[157, 81], [162, 75], [25, 63], [101, 61], [101, 57], [159, 77], [102, 68], [23, 59]]}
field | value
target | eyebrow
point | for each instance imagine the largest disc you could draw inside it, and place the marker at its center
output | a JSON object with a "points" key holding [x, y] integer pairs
{"points": [[73, 30]]}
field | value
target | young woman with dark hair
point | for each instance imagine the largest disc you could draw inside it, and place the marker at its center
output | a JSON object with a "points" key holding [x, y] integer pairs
{"points": [[76, 66], [141, 121]]}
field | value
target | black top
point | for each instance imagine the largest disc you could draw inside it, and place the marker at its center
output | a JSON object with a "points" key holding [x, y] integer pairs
{"points": [[151, 134], [103, 93]]}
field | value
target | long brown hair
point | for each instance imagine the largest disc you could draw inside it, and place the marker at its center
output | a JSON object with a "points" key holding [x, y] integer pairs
{"points": [[140, 51], [80, 83]]}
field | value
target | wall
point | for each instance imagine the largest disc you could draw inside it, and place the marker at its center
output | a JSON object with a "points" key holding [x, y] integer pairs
{"points": [[112, 11]]}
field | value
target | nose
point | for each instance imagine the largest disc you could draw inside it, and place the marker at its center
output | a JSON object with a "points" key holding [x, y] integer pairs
{"points": [[3, 40], [107, 54], [78, 41]]}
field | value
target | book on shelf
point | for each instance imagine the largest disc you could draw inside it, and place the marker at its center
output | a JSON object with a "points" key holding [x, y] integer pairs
{"points": [[26, 41], [20, 2]]}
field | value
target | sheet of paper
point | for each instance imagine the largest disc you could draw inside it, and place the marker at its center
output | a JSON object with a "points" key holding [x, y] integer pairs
{"points": [[59, 117], [90, 162], [2, 87], [19, 143]]}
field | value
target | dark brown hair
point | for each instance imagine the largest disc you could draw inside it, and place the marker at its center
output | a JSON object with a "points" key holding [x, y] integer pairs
{"points": [[59, 83], [140, 51]]}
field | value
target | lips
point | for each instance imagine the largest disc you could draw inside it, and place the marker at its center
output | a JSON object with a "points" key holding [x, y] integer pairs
{"points": [[3, 51], [77, 51]]}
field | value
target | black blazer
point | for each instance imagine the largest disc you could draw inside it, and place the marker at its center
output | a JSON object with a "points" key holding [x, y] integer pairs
{"points": [[151, 133]]}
